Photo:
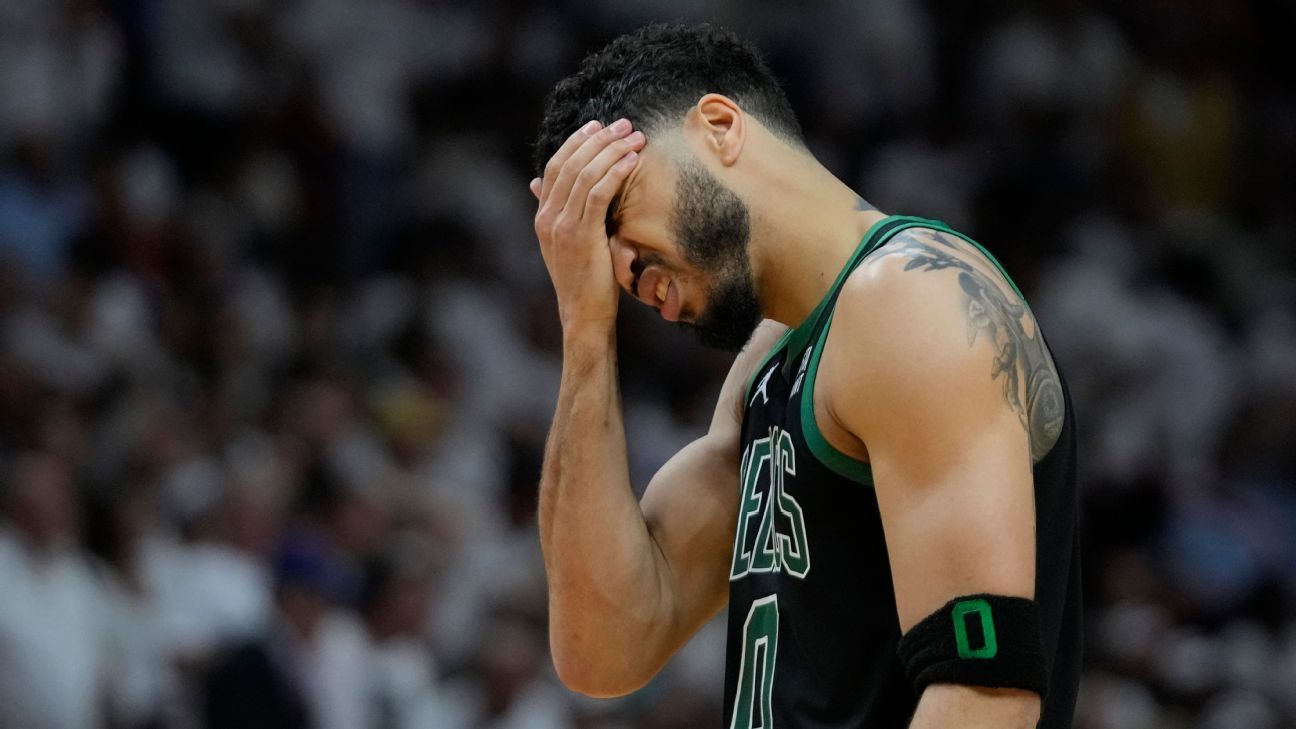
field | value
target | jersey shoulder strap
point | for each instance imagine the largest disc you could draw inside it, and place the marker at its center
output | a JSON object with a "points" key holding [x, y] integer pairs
{"points": [[796, 339]]}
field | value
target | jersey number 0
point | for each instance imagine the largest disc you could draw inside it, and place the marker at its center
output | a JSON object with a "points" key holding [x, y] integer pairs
{"points": [[756, 672]]}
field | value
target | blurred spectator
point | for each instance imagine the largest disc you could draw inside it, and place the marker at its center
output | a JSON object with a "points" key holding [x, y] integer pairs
{"points": [[308, 668], [403, 676], [41, 212], [143, 683], [54, 670], [513, 688]]}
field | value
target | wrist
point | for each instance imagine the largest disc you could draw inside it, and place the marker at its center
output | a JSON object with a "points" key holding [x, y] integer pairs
{"points": [[589, 333]]}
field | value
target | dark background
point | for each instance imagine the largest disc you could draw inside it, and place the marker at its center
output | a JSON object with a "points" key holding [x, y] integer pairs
{"points": [[278, 353]]}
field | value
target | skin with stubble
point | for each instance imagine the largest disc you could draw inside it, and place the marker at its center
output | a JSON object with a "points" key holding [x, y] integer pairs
{"points": [[713, 227]]}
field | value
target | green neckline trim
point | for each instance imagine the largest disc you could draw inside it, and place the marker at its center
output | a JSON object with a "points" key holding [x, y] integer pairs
{"points": [[801, 334], [838, 462], [798, 335]]}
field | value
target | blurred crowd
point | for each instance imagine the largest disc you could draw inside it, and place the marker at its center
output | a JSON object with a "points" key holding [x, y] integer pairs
{"points": [[278, 353]]}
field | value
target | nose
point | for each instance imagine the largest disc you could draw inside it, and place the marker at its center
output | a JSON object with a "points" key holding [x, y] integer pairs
{"points": [[625, 264]]}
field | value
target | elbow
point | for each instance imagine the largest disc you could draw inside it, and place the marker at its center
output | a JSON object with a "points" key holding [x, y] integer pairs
{"points": [[591, 683], [602, 649], [593, 677]]}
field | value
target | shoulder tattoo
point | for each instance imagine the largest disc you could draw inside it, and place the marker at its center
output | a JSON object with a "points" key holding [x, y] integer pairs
{"points": [[1022, 364]]}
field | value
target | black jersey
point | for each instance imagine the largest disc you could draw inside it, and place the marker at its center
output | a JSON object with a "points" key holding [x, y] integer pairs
{"points": [[812, 618]]}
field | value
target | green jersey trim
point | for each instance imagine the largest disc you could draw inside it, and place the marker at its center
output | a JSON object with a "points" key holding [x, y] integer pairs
{"points": [[836, 461], [797, 336], [796, 339], [827, 454], [877, 236], [803, 331]]}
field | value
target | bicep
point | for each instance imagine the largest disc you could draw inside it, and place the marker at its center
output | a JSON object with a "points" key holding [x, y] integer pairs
{"points": [[930, 389], [959, 520], [950, 457]]}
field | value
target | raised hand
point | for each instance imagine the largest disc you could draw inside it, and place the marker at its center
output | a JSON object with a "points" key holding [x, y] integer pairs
{"points": [[579, 183]]}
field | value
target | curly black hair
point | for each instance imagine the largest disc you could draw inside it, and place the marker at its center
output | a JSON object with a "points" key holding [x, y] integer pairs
{"points": [[653, 75]]}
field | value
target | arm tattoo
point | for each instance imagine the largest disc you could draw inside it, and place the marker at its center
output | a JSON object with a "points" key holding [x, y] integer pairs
{"points": [[1018, 356]]}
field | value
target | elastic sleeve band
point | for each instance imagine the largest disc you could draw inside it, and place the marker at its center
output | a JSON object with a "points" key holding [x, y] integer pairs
{"points": [[978, 640]]}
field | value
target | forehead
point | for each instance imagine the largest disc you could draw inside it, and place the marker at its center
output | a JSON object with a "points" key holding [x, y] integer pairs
{"points": [[649, 191]]}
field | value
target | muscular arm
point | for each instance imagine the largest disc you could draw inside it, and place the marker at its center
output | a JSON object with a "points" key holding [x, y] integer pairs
{"points": [[630, 582], [930, 365]]}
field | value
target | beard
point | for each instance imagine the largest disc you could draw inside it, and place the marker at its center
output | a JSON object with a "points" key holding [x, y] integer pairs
{"points": [[713, 228]]}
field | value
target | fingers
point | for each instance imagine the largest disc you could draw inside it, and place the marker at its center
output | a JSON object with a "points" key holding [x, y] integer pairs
{"points": [[584, 215], [535, 187], [556, 162], [557, 190], [580, 201], [600, 195]]}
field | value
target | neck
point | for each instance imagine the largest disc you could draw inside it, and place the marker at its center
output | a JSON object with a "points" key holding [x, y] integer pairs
{"points": [[808, 224]]}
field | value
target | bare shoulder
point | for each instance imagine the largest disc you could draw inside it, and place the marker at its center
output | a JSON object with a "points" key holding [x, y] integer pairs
{"points": [[930, 309]]}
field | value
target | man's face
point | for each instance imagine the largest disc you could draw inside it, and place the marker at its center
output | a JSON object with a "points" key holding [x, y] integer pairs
{"points": [[679, 243]]}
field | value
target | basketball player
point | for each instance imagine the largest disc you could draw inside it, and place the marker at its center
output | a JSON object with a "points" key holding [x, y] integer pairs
{"points": [[885, 498]]}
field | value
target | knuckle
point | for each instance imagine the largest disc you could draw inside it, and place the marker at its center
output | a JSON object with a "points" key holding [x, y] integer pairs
{"points": [[564, 227], [587, 176]]}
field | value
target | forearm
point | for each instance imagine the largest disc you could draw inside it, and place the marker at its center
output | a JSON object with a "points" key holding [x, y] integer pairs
{"points": [[973, 707], [600, 560]]}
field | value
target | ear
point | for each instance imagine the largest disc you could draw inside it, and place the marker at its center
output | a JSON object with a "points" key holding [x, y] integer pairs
{"points": [[722, 126]]}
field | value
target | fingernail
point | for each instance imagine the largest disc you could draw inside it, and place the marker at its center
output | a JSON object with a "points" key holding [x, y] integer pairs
{"points": [[591, 126], [630, 157], [621, 126], [636, 137]]}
